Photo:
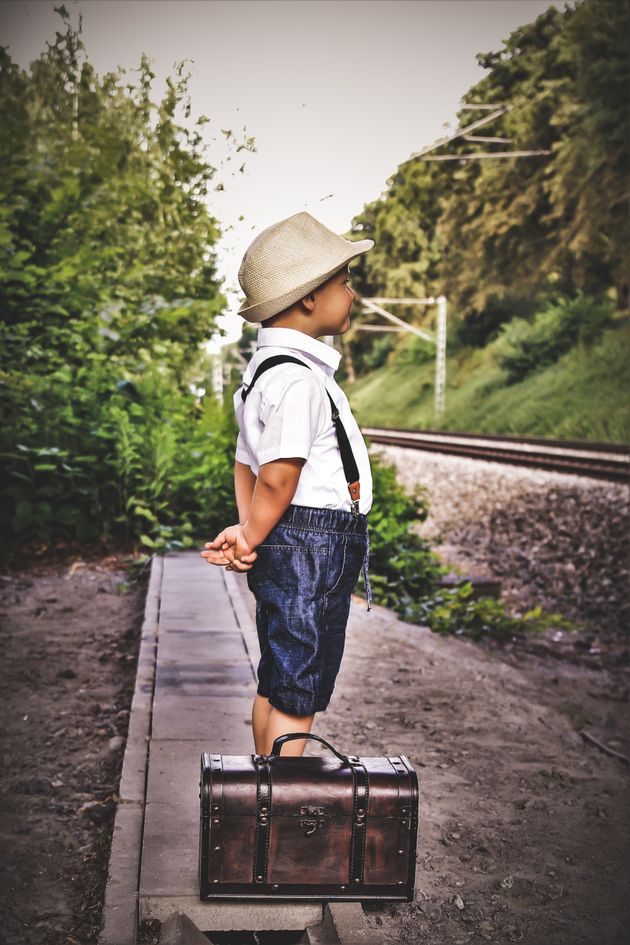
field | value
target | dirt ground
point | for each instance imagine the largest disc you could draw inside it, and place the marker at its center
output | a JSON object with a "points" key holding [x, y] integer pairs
{"points": [[524, 825], [70, 631]]}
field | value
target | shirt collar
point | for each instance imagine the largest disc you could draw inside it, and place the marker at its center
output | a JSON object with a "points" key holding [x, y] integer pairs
{"points": [[282, 337]]}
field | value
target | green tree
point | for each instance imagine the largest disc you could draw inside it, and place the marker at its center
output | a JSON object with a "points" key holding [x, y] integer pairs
{"points": [[497, 236], [105, 237], [588, 189], [559, 220], [108, 288]]}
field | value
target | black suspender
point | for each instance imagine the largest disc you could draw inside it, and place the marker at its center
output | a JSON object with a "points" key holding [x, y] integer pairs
{"points": [[350, 468]]}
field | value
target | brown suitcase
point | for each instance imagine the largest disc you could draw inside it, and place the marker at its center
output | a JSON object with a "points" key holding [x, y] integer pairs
{"points": [[297, 827]]}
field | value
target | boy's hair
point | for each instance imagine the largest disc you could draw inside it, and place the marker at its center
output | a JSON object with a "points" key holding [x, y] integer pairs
{"points": [[272, 318], [266, 322]]}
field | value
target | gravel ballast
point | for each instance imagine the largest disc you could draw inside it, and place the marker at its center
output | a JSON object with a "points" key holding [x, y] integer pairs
{"points": [[553, 539]]}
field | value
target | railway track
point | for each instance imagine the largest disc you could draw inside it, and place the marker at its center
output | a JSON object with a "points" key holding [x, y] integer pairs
{"points": [[609, 461]]}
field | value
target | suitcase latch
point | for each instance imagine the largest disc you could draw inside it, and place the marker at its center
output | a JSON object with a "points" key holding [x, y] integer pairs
{"points": [[316, 817]]}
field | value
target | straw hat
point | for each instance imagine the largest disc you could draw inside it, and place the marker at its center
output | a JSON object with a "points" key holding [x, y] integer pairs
{"points": [[288, 260]]}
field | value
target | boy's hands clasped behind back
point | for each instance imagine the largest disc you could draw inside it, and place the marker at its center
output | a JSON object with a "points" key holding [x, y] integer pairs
{"points": [[261, 500], [230, 550]]}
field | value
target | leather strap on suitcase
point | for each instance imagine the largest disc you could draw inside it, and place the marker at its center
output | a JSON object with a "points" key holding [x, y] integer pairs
{"points": [[263, 806]]}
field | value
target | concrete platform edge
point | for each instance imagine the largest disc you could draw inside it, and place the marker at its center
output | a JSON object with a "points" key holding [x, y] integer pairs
{"points": [[119, 920], [351, 928], [235, 916]]}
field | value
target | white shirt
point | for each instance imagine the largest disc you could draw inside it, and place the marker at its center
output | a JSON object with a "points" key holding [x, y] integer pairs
{"points": [[288, 414]]}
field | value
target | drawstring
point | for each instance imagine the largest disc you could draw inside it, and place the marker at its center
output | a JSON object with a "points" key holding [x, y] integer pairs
{"points": [[366, 576]]}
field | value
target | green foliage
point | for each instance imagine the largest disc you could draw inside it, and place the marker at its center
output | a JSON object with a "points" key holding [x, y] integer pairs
{"points": [[583, 395], [405, 574], [405, 257], [495, 236], [159, 470], [379, 351], [108, 294], [454, 611], [478, 328], [413, 350], [548, 220], [525, 347], [48, 493], [404, 565]]}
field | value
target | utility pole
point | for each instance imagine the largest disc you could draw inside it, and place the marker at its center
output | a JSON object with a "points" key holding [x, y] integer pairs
{"points": [[439, 339], [440, 356]]}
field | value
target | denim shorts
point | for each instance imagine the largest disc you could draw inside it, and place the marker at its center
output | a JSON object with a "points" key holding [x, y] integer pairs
{"points": [[302, 579]]}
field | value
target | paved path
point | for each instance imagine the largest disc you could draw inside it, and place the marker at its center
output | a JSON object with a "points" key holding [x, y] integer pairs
{"points": [[194, 692]]}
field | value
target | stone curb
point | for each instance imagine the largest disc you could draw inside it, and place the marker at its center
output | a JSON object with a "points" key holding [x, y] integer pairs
{"points": [[119, 922]]}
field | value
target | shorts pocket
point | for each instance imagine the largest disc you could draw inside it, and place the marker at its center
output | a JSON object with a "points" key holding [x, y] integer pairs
{"points": [[344, 569], [298, 540], [345, 564], [292, 576]]}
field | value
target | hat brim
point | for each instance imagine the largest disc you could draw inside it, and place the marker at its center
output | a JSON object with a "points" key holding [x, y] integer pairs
{"points": [[263, 310]]}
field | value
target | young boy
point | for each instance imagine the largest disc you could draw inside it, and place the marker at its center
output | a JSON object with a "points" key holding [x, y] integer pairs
{"points": [[301, 538]]}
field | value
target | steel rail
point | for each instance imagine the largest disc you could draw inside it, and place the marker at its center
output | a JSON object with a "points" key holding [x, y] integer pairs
{"points": [[610, 461]]}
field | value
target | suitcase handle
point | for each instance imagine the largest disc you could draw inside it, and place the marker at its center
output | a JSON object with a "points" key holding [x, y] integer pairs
{"points": [[291, 736]]}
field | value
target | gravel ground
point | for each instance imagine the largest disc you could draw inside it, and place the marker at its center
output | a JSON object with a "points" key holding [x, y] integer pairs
{"points": [[553, 539], [524, 827]]}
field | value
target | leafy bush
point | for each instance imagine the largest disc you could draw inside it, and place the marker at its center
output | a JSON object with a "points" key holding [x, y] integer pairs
{"points": [[404, 566], [452, 611], [405, 573], [156, 468], [377, 355], [110, 291], [414, 350], [478, 328], [524, 347]]}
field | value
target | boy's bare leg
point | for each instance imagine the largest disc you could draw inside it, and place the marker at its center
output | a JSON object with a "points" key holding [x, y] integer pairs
{"points": [[279, 723], [260, 716]]}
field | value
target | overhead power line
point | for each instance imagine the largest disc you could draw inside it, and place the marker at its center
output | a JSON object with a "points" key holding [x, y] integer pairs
{"points": [[484, 138], [499, 109], [459, 132], [481, 155]]}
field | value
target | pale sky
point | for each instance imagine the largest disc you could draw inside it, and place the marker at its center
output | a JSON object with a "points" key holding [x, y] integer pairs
{"points": [[336, 93]]}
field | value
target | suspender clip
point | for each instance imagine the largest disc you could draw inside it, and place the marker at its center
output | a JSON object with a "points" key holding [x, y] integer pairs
{"points": [[354, 489]]}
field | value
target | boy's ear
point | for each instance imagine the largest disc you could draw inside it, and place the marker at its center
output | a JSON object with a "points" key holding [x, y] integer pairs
{"points": [[306, 302]]}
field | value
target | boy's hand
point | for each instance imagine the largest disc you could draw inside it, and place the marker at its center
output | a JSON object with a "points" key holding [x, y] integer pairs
{"points": [[274, 489], [230, 550]]}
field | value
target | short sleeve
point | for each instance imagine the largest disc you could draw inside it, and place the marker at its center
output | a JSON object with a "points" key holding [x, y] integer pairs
{"points": [[242, 453], [292, 421]]}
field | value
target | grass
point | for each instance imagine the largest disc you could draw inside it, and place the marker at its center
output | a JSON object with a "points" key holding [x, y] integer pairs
{"points": [[584, 395]]}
